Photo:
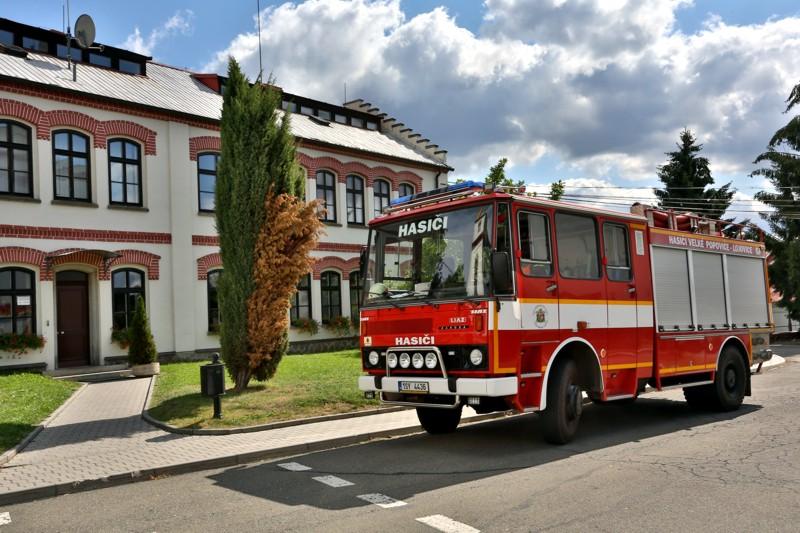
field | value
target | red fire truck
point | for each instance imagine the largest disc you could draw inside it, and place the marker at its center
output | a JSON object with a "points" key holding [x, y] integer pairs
{"points": [[497, 300]]}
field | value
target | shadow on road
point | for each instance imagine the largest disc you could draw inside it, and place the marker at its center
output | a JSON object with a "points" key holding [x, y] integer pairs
{"points": [[407, 466]]}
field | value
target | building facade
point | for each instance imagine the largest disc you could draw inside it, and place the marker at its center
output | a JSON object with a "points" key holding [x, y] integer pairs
{"points": [[107, 180]]}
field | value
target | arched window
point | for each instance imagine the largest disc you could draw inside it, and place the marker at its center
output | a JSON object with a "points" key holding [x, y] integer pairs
{"points": [[127, 285], [355, 295], [355, 200], [71, 166], [301, 301], [17, 301], [124, 172], [382, 195], [15, 159], [331, 288], [206, 180], [326, 193], [213, 301], [406, 189]]}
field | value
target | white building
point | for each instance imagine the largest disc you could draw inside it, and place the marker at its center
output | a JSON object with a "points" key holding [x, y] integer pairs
{"points": [[106, 193]]}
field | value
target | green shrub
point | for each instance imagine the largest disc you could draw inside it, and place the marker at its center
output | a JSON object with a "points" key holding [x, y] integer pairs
{"points": [[20, 343], [339, 326], [142, 348], [306, 325], [121, 337]]}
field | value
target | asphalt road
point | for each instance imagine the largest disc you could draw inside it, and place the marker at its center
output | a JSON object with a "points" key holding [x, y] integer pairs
{"points": [[651, 465]]}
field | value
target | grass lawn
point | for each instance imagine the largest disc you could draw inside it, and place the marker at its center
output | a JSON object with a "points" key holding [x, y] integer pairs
{"points": [[25, 400], [304, 386]]}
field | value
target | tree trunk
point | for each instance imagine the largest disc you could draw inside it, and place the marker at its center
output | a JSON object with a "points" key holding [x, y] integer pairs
{"points": [[242, 379]]}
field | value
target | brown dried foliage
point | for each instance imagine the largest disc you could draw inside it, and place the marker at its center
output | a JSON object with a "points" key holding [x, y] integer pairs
{"points": [[291, 230]]}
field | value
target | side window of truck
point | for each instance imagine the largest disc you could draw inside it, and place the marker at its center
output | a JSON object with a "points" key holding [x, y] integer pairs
{"points": [[534, 242], [576, 236], [617, 253]]}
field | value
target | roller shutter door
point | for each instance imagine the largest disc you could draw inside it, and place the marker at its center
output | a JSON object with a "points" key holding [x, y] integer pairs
{"points": [[709, 288], [671, 279], [747, 291]]}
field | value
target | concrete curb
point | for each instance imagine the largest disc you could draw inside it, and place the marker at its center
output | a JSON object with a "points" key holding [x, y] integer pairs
{"points": [[123, 478], [10, 454], [261, 427]]}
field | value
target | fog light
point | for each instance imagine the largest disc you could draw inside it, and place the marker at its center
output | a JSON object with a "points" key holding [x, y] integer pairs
{"points": [[373, 358], [392, 360], [473, 400], [430, 360], [476, 357], [405, 360], [369, 395], [417, 360]]}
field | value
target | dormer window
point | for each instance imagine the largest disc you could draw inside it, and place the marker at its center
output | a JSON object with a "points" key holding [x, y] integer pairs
{"points": [[130, 67], [34, 44], [75, 53], [6, 37], [100, 61]]}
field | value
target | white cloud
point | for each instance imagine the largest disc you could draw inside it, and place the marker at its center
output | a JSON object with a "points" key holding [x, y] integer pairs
{"points": [[179, 23], [604, 86]]}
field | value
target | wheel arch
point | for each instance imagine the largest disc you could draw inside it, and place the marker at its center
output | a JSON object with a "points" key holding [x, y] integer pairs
{"points": [[740, 346], [591, 374]]}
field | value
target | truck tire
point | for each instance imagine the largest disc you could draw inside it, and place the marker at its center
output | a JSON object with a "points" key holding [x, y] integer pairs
{"points": [[437, 421], [564, 404], [727, 391]]}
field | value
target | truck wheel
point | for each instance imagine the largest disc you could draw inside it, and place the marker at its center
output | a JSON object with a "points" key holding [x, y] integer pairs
{"points": [[730, 380], [699, 397], [564, 404], [436, 421]]}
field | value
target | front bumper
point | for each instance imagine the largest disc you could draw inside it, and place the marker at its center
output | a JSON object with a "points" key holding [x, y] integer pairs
{"points": [[491, 387], [762, 356]]}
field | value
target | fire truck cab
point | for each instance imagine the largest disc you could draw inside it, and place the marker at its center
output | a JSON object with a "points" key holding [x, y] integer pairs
{"points": [[502, 301]]}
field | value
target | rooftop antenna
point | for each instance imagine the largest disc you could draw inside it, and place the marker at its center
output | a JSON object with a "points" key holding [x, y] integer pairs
{"points": [[85, 34], [258, 17], [345, 92]]}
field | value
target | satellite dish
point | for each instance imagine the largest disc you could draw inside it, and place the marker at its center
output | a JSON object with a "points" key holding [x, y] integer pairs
{"points": [[84, 31]]}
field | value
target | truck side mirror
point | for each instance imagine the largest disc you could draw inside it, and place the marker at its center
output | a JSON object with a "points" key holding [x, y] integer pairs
{"points": [[501, 273]]}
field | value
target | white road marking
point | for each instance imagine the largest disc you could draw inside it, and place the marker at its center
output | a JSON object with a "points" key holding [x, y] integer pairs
{"points": [[381, 500], [448, 525], [294, 467], [5, 518], [333, 481]]}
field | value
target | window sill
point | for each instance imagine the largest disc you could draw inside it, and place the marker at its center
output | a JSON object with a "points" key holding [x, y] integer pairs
{"points": [[356, 225], [15, 198], [123, 207], [207, 213], [331, 223], [74, 203]]}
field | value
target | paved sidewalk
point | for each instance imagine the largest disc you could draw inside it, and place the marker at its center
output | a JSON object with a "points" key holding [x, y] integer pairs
{"points": [[100, 439]]}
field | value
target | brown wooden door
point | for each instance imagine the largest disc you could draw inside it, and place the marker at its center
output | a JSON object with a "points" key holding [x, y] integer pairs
{"points": [[72, 316]]}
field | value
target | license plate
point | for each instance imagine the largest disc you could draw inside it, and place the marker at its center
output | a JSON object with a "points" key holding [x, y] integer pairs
{"points": [[413, 386]]}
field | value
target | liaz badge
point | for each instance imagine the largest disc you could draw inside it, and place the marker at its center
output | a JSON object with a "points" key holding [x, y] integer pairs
{"points": [[540, 313]]}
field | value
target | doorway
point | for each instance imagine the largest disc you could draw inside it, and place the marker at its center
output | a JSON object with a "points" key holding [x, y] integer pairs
{"points": [[72, 318]]}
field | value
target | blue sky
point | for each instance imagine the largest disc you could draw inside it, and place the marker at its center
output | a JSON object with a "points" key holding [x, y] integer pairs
{"points": [[590, 91]]}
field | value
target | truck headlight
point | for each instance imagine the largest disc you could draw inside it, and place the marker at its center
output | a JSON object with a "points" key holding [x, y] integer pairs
{"points": [[417, 360], [431, 360], [392, 360], [373, 358], [405, 360], [476, 357]]}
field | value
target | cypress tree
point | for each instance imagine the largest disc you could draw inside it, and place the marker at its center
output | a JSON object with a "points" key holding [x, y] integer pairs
{"points": [[142, 347]]}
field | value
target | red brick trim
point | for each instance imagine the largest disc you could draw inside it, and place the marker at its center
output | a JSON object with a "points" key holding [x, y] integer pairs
{"points": [[75, 234], [313, 164], [25, 256], [338, 247], [205, 240], [202, 144], [130, 129], [99, 102], [51, 120], [206, 263], [76, 255], [345, 266], [21, 110], [138, 257]]}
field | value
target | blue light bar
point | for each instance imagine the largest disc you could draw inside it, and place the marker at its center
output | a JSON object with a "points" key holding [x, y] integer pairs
{"points": [[442, 190]]}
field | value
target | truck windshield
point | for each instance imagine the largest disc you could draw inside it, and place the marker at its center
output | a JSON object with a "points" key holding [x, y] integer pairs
{"points": [[438, 256]]}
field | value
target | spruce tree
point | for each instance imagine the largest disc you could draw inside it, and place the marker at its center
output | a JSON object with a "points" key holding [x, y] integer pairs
{"points": [[497, 175], [783, 172], [257, 165], [686, 177]]}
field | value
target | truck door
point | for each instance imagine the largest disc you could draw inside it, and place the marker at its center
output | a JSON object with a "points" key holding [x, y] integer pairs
{"points": [[581, 289], [538, 286], [621, 355]]}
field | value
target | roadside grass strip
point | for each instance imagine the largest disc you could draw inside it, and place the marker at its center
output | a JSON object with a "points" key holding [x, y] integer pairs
{"points": [[381, 500], [333, 481], [448, 525], [5, 518], [294, 467]]}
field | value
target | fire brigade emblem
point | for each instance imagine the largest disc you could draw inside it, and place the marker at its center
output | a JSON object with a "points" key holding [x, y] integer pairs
{"points": [[540, 312]]}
